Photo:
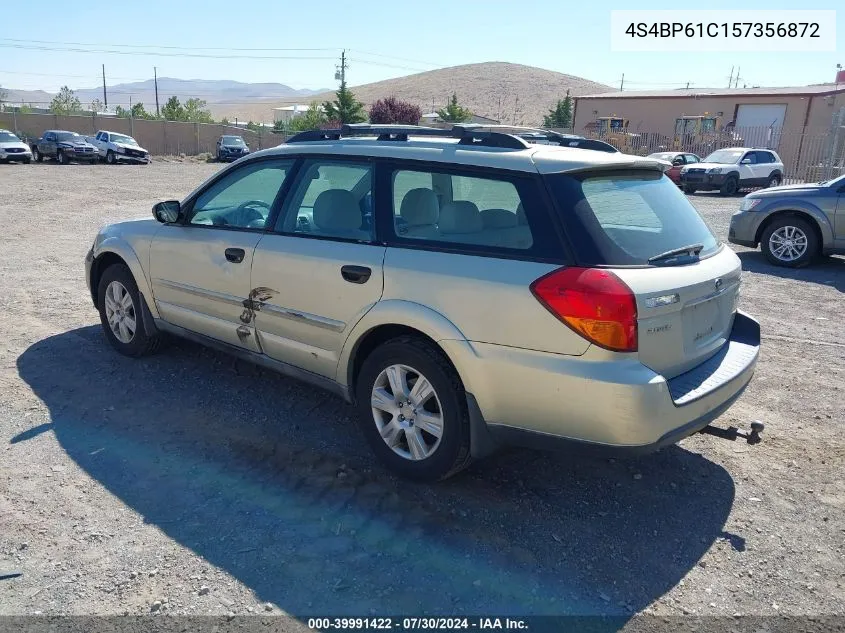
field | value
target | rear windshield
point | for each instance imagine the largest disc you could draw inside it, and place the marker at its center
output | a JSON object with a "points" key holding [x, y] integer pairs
{"points": [[624, 218]]}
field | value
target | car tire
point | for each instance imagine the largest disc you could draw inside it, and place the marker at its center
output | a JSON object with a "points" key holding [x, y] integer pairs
{"points": [[61, 158], [730, 187], [38, 156], [775, 180], [790, 241], [689, 190], [110, 159], [406, 445], [119, 304], [27, 161]]}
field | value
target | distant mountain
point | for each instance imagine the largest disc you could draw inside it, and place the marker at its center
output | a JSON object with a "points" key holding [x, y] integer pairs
{"points": [[510, 93], [213, 91]]}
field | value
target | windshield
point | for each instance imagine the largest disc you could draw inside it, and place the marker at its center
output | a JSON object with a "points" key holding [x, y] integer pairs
{"points": [[121, 138], [68, 136], [233, 140], [830, 183], [8, 137], [725, 156], [624, 218]]}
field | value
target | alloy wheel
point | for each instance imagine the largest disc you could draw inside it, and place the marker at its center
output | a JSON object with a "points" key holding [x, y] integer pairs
{"points": [[407, 412], [788, 243], [120, 312]]}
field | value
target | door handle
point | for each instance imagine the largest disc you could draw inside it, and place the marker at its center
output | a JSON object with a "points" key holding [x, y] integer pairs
{"points": [[235, 255], [356, 274]]}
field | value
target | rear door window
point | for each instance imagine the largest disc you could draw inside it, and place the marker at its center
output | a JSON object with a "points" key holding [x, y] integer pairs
{"points": [[625, 218]]}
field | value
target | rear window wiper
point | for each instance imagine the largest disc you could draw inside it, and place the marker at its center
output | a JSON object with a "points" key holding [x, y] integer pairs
{"points": [[673, 256]]}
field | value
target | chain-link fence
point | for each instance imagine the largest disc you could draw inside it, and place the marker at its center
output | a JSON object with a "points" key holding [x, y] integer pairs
{"points": [[160, 138]]}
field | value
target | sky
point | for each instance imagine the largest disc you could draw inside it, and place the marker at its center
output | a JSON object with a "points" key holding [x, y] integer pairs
{"points": [[191, 39]]}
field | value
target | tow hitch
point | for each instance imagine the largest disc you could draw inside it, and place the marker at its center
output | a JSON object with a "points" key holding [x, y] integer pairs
{"points": [[732, 433]]}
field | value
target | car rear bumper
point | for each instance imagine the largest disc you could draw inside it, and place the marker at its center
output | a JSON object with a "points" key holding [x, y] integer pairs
{"points": [[540, 399]]}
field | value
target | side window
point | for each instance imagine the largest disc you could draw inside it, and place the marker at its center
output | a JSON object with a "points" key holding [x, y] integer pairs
{"points": [[691, 158], [765, 157], [243, 197], [331, 199], [463, 210]]}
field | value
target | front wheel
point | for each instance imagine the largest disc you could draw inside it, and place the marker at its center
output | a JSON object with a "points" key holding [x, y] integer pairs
{"points": [[790, 241], [38, 156], [730, 187], [110, 159], [413, 410], [689, 190], [119, 303], [60, 156], [27, 161]]}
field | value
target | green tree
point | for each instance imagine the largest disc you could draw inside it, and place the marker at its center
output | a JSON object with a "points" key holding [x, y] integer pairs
{"points": [[346, 108], [173, 110], [312, 119], [454, 113], [65, 102], [4, 94], [121, 112], [252, 126], [138, 111], [97, 106], [224, 121], [561, 114], [196, 111]]}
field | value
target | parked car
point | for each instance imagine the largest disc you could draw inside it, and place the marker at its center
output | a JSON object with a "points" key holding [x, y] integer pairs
{"points": [[470, 325], [733, 168], [12, 149], [114, 148], [678, 160], [64, 146], [793, 224], [231, 148]]}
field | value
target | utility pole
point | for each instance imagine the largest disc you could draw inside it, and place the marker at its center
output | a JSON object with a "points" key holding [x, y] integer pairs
{"points": [[731, 78], [687, 85], [736, 79], [155, 79], [622, 84], [340, 73], [105, 95]]}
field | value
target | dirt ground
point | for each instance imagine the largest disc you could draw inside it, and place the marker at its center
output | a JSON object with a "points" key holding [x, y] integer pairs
{"points": [[191, 483]]}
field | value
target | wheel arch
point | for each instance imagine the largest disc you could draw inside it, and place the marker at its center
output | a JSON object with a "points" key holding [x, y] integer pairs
{"points": [[116, 251], [824, 231]]}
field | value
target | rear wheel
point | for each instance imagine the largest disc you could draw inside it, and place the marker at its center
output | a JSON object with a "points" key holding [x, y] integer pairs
{"points": [[774, 180], [412, 410], [790, 241], [119, 303], [730, 186]]}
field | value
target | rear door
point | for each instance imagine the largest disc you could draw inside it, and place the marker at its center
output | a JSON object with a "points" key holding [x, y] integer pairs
{"points": [[624, 221], [320, 270]]}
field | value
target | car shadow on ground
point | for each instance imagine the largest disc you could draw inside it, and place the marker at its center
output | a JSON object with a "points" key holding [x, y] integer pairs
{"points": [[269, 480], [827, 271]]}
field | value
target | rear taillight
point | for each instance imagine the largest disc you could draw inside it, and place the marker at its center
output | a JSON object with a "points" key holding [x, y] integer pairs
{"points": [[593, 302]]}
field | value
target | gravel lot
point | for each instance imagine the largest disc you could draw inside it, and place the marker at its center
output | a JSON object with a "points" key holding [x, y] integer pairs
{"points": [[192, 483]]}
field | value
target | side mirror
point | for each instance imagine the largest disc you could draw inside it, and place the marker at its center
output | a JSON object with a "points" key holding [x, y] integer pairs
{"points": [[167, 212], [745, 161]]}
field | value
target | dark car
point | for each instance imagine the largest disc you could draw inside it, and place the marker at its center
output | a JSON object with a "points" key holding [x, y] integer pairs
{"points": [[793, 224], [678, 160], [231, 148], [65, 147]]}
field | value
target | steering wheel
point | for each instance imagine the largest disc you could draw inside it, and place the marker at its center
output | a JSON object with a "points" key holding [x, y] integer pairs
{"points": [[247, 215]]}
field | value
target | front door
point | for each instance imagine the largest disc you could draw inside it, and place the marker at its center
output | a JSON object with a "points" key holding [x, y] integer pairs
{"points": [[200, 268], [747, 170], [320, 270]]}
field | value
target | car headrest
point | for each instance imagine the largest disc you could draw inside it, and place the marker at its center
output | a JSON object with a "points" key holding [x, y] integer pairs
{"points": [[498, 219], [459, 217], [521, 218], [337, 210], [420, 207]]}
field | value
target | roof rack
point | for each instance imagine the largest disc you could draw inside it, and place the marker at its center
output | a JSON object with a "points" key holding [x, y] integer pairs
{"points": [[500, 136]]}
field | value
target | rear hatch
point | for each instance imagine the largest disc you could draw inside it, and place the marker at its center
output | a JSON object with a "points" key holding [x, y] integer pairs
{"points": [[636, 224]]}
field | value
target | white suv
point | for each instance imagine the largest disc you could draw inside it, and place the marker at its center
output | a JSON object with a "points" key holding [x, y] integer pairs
{"points": [[463, 288], [733, 168]]}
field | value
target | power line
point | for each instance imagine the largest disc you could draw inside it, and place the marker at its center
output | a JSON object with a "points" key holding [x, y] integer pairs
{"points": [[179, 48], [159, 54]]}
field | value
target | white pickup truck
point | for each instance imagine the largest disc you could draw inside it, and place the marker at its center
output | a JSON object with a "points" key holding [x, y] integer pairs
{"points": [[118, 148]]}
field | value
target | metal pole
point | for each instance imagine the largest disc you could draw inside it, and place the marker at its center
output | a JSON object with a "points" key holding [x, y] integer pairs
{"points": [[105, 95], [131, 118], [622, 85], [155, 79]]}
